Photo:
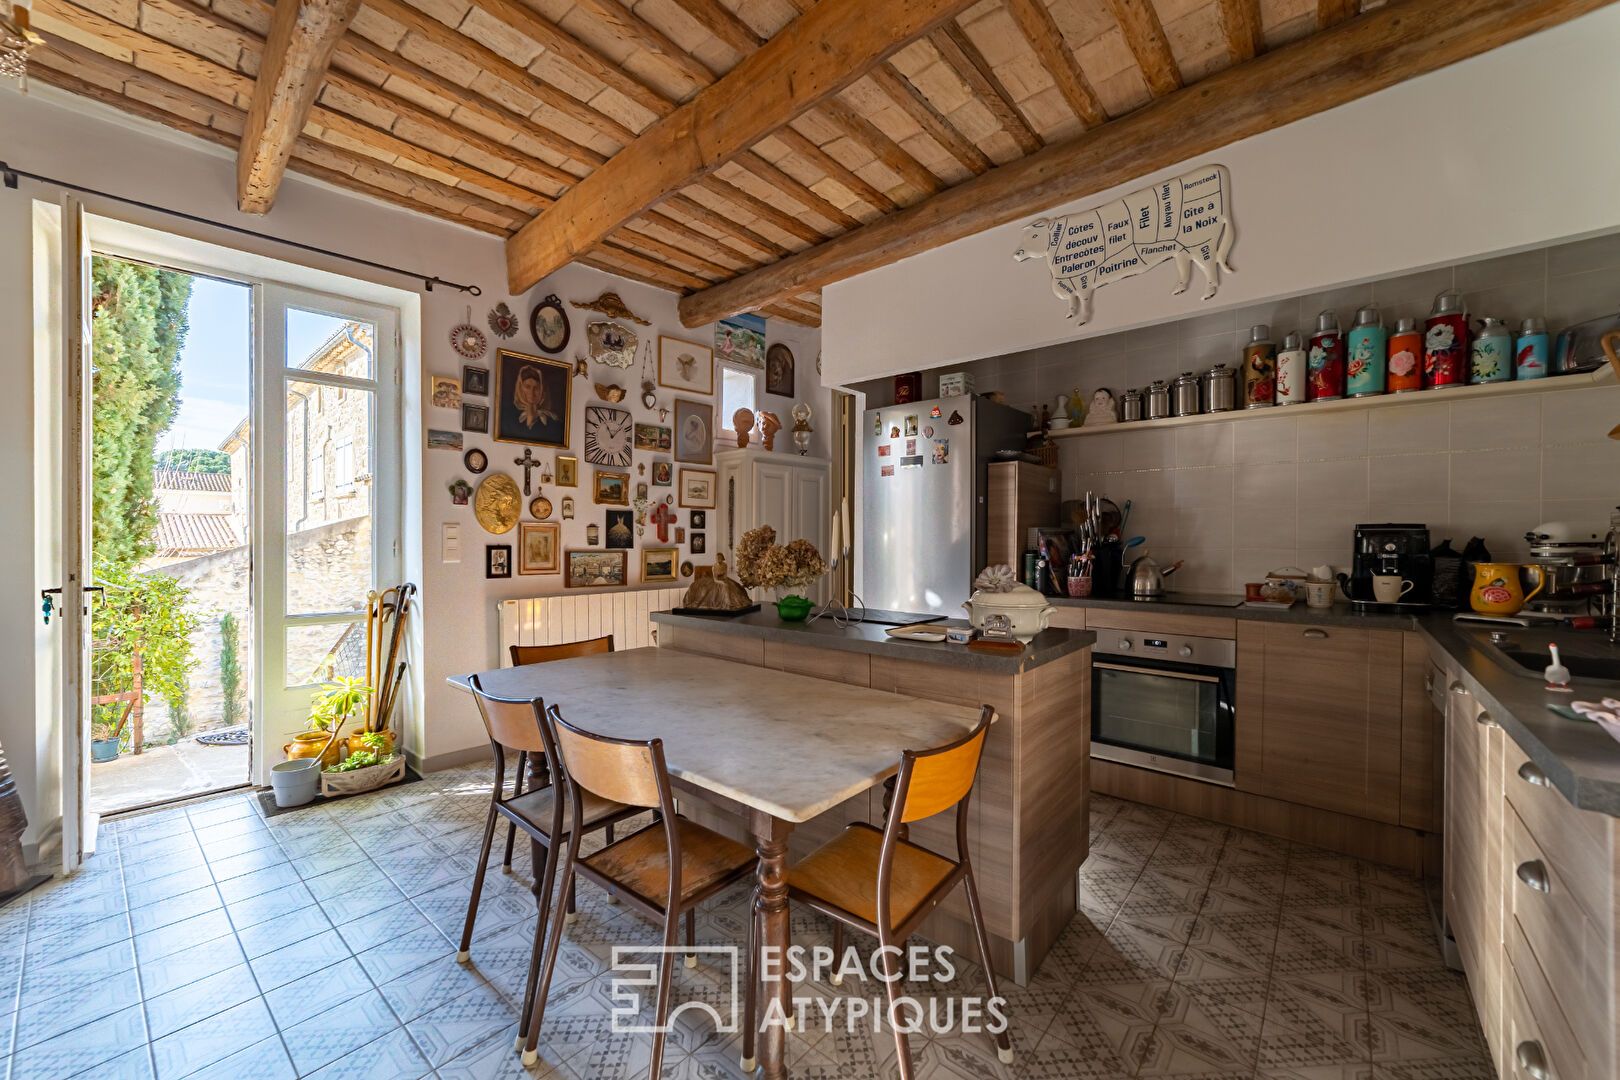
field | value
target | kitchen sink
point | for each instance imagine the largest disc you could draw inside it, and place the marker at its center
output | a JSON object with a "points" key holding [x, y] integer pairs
{"points": [[1587, 654]]}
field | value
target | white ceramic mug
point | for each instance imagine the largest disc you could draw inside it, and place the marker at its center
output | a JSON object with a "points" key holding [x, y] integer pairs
{"points": [[1319, 594], [1389, 588]]}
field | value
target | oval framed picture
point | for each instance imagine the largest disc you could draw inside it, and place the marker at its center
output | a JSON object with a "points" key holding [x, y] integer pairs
{"points": [[548, 322], [475, 460]]}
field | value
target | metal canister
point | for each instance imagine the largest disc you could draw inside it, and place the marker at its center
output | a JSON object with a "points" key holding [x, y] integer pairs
{"points": [[1259, 369], [1405, 357], [1187, 396], [1490, 357], [1366, 351], [1292, 373], [1531, 350], [1220, 389], [1445, 342], [1130, 405], [1325, 359], [1158, 400]]}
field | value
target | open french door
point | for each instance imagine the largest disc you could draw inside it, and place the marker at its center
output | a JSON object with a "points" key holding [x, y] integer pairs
{"points": [[78, 823], [326, 434]]}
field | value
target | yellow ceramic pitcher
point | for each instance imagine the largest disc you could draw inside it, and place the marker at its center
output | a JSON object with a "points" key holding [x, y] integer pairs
{"points": [[1497, 590]]}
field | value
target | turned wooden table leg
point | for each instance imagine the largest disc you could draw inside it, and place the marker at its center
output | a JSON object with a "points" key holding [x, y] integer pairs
{"points": [[770, 841]]}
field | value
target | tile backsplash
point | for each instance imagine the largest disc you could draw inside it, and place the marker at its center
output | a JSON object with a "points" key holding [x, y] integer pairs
{"points": [[1274, 488]]}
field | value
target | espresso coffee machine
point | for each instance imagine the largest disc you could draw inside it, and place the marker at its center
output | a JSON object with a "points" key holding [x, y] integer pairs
{"points": [[1390, 549]]}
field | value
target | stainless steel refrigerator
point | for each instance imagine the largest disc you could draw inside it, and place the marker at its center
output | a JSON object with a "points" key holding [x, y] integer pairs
{"points": [[924, 469]]}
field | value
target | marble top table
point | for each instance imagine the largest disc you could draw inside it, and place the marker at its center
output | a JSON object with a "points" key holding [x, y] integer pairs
{"points": [[786, 747]]}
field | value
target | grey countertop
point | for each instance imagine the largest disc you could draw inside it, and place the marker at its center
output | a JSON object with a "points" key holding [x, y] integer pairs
{"points": [[1047, 646], [1580, 758]]}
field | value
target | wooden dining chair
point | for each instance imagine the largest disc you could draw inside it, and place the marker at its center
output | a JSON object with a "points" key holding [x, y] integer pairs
{"points": [[539, 812], [522, 656], [878, 881], [666, 869]]}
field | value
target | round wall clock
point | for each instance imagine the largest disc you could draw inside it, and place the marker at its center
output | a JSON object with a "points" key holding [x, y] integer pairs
{"points": [[540, 507], [548, 322], [475, 460], [498, 503], [608, 436]]}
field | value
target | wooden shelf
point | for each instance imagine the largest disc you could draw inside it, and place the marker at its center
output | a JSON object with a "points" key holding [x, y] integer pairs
{"points": [[1601, 377]]}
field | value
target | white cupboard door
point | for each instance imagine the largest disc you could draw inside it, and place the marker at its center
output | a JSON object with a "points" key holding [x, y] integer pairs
{"points": [[810, 517], [773, 499]]}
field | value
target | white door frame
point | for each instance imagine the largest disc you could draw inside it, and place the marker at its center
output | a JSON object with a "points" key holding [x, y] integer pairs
{"points": [[78, 824]]}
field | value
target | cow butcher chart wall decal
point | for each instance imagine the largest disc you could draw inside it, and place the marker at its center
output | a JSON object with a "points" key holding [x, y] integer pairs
{"points": [[1183, 219]]}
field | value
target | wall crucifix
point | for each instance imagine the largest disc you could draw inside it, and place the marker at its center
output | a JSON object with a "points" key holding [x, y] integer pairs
{"points": [[528, 462], [662, 518]]}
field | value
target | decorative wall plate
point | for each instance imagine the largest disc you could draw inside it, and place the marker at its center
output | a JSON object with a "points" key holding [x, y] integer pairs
{"points": [[611, 343], [502, 322], [497, 504], [610, 305], [469, 341], [475, 460], [608, 436], [548, 322]]}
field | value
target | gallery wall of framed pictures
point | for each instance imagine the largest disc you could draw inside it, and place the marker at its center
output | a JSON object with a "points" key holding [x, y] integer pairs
{"points": [[613, 402]]}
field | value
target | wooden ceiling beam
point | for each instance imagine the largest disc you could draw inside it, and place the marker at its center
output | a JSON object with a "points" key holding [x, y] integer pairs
{"points": [[1035, 22], [1241, 25], [723, 23], [759, 208], [810, 199], [1144, 36], [1379, 49], [836, 170], [460, 45], [549, 36], [900, 90], [1333, 12], [964, 58], [891, 153], [811, 59], [695, 210], [632, 27], [303, 36]]}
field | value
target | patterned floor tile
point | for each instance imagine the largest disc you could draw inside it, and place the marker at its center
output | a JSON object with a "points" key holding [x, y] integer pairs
{"points": [[299, 959], [392, 1057], [182, 1007], [189, 965], [323, 1039], [62, 1013], [176, 937], [264, 1060], [461, 1024], [175, 909], [430, 986], [76, 974], [211, 1040], [316, 992]]}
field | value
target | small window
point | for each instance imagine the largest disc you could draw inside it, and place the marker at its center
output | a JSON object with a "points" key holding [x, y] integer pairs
{"points": [[736, 392], [317, 474], [343, 465]]}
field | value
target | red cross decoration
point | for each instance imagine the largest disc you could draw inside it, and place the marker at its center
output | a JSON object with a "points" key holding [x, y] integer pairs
{"points": [[662, 518]]}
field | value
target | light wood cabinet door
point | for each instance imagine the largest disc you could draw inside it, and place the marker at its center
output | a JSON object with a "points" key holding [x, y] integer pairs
{"points": [[1332, 707]]}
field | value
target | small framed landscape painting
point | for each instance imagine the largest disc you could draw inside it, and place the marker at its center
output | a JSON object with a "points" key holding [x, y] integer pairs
{"points": [[538, 548], [658, 564], [443, 440], [698, 489], [589, 569], [654, 437], [612, 488]]}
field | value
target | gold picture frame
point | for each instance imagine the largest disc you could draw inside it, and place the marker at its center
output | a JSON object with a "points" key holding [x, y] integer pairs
{"points": [[539, 548], [659, 564], [610, 488], [567, 470], [595, 569]]}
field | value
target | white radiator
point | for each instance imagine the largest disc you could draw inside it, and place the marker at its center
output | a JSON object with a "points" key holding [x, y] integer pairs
{"points": [[554, 620]]}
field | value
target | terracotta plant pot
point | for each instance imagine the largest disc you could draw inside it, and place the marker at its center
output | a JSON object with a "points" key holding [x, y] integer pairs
{"points": [[355, 743], [307, 744]]}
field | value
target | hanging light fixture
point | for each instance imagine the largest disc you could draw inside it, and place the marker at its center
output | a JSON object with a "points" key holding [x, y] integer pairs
{"points": [[16, 39]]}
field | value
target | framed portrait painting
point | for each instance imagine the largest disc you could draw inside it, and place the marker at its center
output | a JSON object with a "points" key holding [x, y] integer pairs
{"points": [[779, 370], [474, 417], [567, 471], [497, 560], [663, 474], [475, 380], [539, 547], [697, 490], [531, 399], [685, 365], [588, 569], [694, 432]]}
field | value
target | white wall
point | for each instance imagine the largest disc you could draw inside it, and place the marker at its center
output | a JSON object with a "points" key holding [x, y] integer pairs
{"points": [[1503, 151], [56, 135]]}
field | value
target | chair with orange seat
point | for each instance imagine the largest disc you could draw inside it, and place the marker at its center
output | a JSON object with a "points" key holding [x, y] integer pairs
{"points": [[878, 881]]}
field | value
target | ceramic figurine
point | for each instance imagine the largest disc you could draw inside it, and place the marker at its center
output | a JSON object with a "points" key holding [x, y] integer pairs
{"points": [[1077, 408], [742, 422], [1102, 409], [769, 425]]}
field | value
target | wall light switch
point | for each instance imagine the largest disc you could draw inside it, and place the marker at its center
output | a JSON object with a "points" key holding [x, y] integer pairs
{"points": [[452, 542]]}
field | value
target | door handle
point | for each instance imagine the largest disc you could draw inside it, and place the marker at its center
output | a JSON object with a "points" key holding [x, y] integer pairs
{"points": [[1534, 874], [1484, 720], [1314, 633], [1458, 688], [1531, 773], [1532, 1060]]}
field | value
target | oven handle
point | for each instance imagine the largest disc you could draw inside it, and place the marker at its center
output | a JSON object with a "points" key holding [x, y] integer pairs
{"points": [[1155, 671]]}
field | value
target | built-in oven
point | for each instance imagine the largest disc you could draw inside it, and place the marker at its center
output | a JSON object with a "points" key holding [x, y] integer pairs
{"points": [[1164, 702]]}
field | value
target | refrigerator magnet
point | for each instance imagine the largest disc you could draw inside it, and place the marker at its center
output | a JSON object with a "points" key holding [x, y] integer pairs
{"points": [[911, 425], [894, 431], [883, 449], [877, 424], [911, 447], [887, 470], [928, 431], [956, 417], [935, 413], [911, 462], [942, 452]]}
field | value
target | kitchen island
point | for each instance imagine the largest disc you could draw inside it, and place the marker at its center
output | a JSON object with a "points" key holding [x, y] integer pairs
{"points": [[1029, 822]]}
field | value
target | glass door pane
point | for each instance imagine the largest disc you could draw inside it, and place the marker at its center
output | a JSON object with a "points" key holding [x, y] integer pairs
{"points": [[329, 534]]}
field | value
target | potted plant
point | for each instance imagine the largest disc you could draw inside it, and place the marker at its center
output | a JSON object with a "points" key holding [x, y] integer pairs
{"points": [[330, 709], [104, 739], [762, 564], [362, 770]]}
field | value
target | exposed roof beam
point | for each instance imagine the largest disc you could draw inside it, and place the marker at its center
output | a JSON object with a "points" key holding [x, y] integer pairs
{"points": [[891, 153], [1332, 12], [1042, 33], [1145, 38], [723, 23], [1240, 22], [900, 90], [836, 170], [964, 58], [811, 59], [303, 36], [1359, 57]]}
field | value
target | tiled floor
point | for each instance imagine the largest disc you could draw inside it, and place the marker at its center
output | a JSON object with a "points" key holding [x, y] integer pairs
{"points": [[209, 942]]}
